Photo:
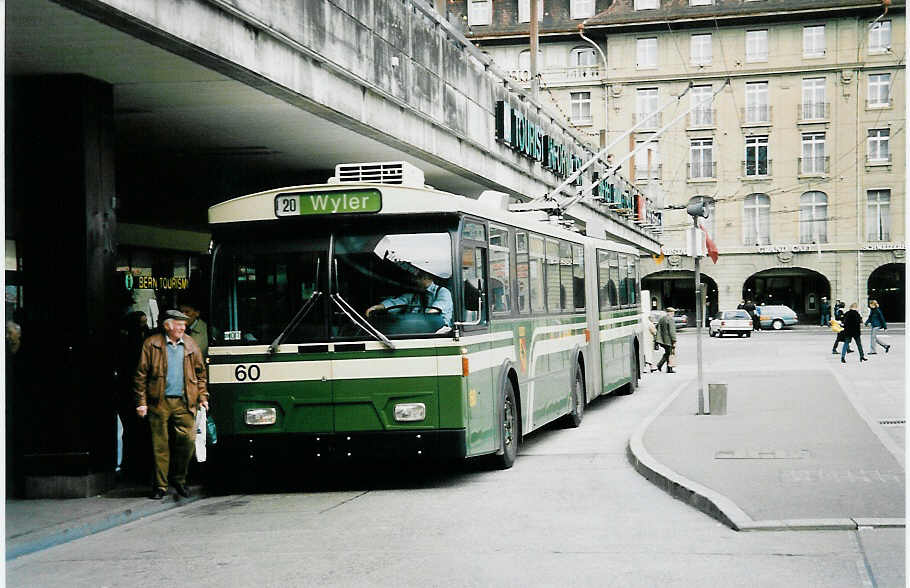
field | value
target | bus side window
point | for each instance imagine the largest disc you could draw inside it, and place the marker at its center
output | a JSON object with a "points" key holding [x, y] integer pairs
{"points": [[603, 280], [473, 271], [500, 268], [521, 272], [578, 276]]}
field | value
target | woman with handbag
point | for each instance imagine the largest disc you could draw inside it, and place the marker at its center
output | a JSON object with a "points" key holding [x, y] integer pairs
{"points": [[877, 321]]}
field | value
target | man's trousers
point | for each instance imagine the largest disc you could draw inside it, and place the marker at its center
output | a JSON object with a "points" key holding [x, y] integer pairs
{"points": [[173, 440]]}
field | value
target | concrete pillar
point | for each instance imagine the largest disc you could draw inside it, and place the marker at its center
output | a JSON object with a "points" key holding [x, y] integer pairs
{"points": [[60, 172]]}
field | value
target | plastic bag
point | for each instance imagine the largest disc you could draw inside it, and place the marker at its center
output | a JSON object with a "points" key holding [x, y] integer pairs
{"points": [[836, 327], [201, 429]]}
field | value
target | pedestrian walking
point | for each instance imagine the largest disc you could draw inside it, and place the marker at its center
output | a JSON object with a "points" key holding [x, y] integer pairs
{"points": [[876, 320], [666, 338], [852, 324], [650, 342], [825, 308], [169, 385]]}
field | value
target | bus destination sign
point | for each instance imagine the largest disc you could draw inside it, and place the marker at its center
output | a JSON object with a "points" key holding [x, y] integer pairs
{"points": [[335, 202]]}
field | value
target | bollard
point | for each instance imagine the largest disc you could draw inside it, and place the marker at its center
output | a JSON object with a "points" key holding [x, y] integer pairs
{"points": [[717, 399]]}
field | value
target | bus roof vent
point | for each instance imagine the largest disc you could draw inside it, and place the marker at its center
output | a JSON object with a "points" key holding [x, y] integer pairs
{"points": [[399, 173]]}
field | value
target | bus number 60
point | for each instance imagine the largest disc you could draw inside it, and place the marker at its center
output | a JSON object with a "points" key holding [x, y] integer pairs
{"points": [[243, 372]]}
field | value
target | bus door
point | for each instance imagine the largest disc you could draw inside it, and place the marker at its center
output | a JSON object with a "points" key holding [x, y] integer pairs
{"points": [[481, 400]]}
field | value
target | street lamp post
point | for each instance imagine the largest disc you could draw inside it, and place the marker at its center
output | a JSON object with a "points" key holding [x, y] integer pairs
{"points": [[697, 209]]}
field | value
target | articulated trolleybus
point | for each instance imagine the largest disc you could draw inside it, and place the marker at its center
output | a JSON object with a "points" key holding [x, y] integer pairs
{"points": [[375, 317]]}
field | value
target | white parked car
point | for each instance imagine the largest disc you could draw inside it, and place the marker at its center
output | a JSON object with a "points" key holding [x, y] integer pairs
{"points": [[731, 321]]}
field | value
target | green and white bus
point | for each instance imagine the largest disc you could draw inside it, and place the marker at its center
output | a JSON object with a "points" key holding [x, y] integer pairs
{"points": [[323, 348]]}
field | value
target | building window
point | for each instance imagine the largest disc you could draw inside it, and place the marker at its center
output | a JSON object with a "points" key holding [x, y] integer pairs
{"points": [[880, 36], [878, 148], [757, 109], [701, 2], [879, 90], [813, 217], [814, 106], [646, 51], [814, 41], [701, 158], [813, 160], [757, 161], [581, 9], [645, 105], [757, 46], [581, 107], [707, 223], [647, 4], [702, 114], [647, 162], [878, 215], [756, 215], [524, 10], [582, 57], [700, 49], [523, 73], [479, 12]]}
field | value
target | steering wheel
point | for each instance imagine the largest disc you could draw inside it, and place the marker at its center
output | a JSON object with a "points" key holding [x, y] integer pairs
{"points": [[427, 310]]}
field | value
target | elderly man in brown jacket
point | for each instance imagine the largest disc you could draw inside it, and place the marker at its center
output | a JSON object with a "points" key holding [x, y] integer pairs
{"points": [[170, 383]]}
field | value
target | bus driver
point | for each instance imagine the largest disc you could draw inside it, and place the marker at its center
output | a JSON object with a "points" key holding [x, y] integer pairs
{"points": [[432, 262]]}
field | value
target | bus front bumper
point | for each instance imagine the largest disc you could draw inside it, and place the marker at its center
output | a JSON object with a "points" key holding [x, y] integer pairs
{"points": [[434, 445]]}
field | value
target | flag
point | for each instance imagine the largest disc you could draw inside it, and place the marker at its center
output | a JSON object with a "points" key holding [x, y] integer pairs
{"points": [[659, 258], [712, 248]]}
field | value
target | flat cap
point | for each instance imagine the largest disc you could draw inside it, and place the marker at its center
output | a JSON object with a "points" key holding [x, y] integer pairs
{"points": [[174, 315]]}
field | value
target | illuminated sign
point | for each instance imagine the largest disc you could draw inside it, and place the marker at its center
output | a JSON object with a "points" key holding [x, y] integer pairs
{"points": [[335, 202], [157, 283]]}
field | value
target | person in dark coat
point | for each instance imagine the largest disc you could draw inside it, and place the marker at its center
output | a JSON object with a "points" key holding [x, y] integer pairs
{"points": [[825, 308], [753, 314], [853, 322], [877, 321], [666, 338]]}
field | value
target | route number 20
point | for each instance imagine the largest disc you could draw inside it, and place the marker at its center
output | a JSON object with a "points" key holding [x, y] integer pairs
{"points": [[243, 372]]}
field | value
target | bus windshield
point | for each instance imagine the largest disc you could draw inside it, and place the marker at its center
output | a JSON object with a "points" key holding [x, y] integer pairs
{"points": [[399, 282]]}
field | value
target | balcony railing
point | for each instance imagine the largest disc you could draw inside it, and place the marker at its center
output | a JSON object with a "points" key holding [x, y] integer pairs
{"points": [[878, 159], [642, 175], [760, 114], [813, 111], [878, 102], [653, 123], [757, 169], [813, 166], [701, 118], [561, 74], [702, 171]]}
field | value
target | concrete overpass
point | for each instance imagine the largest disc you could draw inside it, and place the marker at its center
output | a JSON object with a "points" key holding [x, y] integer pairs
{"points": [[126, 119]]}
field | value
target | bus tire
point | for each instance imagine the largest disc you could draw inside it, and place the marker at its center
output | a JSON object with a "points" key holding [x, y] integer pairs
{"points": [[509, 428], [577, 398]]}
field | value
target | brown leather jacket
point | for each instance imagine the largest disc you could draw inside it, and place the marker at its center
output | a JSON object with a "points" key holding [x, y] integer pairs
{"points": [[151, 373]]}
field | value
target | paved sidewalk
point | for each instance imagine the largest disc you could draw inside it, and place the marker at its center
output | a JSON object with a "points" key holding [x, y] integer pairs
{"points": [[33, 525], [793, 452]]}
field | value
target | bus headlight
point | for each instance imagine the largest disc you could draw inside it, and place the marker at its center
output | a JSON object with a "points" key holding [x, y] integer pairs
{"points": [[410, 411], [260, 416]]}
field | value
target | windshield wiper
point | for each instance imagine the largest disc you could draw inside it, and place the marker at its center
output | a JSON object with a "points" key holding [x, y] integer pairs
{"points": [[308, 305], [349, 311]]}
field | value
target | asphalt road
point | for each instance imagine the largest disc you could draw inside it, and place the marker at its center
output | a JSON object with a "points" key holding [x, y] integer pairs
{"points": [[571, 512]]}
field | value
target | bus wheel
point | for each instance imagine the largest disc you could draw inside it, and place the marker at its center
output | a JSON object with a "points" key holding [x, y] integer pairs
{"points": [[573, 419], [509, 429]]}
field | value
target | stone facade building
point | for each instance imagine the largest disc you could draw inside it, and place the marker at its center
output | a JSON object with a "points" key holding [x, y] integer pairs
{"points": [[795, 139]]}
